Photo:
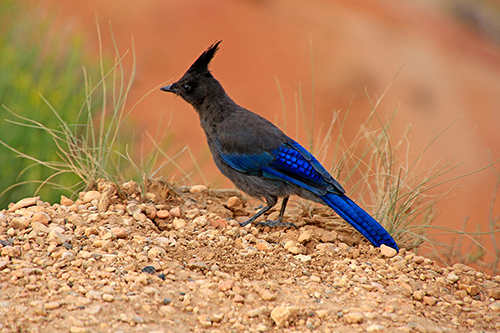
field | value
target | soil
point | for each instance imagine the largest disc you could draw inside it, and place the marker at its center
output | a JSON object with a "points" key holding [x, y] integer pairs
{"points": [[177, 260]]}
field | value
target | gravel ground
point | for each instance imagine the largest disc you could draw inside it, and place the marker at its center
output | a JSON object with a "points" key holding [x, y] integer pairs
{"points": [[181, 263]]}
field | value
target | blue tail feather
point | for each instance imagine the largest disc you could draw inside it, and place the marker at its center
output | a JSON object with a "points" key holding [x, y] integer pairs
{"points": [[359, 219]]}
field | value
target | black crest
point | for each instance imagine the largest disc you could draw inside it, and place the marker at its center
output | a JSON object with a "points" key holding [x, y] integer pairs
{"points": [[201, 64]]}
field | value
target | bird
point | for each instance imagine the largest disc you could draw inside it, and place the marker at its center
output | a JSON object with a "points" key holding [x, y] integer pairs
{"points": [[260, 159]]}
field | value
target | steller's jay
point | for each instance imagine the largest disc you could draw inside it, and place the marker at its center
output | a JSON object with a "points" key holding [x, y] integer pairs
{"points": [[260, 159]]}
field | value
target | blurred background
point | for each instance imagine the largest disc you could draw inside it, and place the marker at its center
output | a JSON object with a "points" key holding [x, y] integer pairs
{"points": [[441, 59]]}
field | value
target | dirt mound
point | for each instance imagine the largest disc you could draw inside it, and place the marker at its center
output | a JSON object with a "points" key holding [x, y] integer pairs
{"points": [[176, 260]]}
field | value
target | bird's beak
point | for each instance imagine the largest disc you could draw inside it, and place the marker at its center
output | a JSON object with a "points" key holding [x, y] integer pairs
{"points": [[167, 88]]}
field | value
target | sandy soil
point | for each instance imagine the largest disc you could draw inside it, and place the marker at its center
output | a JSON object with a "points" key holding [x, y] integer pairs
{"points": [[178, 261]]}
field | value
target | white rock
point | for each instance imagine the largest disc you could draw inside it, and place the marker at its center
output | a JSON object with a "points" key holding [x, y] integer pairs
{"points": [[198, 188], [155, 252], [387, 251], [41, 217], [302, 257], [26, 202], [178, 223], [162, 214], [305, 237], [376, 328], [91, 195], [495, 306], [65, 201], [19, 223], [354, 318], [283, 315], [315, 278], [3, 264], [161, 241], [200, 221], [78, 329], [119, 232], [133, 208], [451, 278], [234, 202], [325, 247], [93, 310], [294, 247], [51, 305], [68, 256], [56, 237], [139, 217]]}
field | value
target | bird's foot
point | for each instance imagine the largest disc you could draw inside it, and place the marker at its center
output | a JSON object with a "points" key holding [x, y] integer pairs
{"points": [[244, 224], [277, 223]]}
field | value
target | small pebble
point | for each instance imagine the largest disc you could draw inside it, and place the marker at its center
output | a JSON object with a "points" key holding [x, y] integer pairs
{"points": [[42, 218], [315, 278], [429, 300], [67, 246], [234, 202], [162, 214], [91, 195], [51, 305], [495, 306], [93, 310], [56, 237], [119, 232], [226, 285], [305, 237], [197, 264], [175, 212], [387, 251], [451, 278], [329, 236], [23, 203], [283, 315], [198, 188], [354, 318], [149, 270], [238, 299], [495, 293], [65, 201], [19, 223], [178, 223], [376, 328]]}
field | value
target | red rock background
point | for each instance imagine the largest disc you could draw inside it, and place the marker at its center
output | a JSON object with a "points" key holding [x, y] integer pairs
{"points": [[451, 70]]}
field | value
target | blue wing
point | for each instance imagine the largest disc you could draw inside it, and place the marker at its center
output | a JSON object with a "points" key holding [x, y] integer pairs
{"points": [[248, 163], [301, 168], [289, 162]]}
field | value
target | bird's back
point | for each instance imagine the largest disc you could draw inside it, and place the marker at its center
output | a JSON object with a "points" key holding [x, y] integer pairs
{"points": [[245, 132]]}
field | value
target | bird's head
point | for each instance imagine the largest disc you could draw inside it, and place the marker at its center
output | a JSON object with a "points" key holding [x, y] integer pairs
{"points": [[197, 82]]}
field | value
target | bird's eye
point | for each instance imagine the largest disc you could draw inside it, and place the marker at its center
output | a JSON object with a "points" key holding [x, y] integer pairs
{"points": [[186, 87]]}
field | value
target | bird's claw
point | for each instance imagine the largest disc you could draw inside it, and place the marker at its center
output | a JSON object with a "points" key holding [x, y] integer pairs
{"points": [[275, 224], [270, 224], [244, 224]]}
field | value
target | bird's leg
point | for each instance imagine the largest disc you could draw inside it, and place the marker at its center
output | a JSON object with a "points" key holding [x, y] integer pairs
{"points": [[270, 204], [278, 222]]}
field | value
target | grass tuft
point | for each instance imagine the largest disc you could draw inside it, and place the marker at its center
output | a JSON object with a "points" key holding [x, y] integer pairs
{"points": [[382, 175], [92, 146], [36, 58]]}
